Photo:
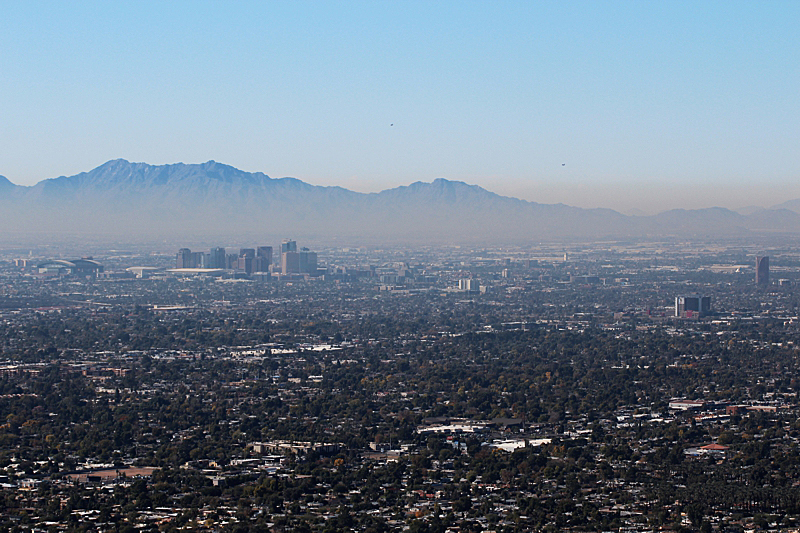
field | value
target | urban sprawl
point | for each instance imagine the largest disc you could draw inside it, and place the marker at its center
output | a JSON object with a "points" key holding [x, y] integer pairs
{"points": [[619, 386]]}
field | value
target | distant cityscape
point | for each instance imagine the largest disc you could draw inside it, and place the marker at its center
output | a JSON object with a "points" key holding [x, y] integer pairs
{"points": [[587, 387], [293, 264], [249, 261], [464, 267]]}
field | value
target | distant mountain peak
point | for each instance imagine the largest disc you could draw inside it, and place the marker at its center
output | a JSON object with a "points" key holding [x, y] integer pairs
{"points": [[113, 163], [793, 205], [213, 198]]}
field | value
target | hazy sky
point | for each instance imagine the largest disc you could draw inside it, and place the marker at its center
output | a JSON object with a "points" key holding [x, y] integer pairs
{"points": [[614, 104]]}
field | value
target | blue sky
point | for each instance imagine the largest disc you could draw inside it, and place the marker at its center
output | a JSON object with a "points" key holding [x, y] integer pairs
{"points": [[614, 104]]}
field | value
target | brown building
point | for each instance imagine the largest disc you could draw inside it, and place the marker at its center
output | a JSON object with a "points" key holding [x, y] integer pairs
{"points": [[290, 263]]}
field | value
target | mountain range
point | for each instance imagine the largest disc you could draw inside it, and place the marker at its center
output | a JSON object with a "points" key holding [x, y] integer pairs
{"points": [[214, 200]]}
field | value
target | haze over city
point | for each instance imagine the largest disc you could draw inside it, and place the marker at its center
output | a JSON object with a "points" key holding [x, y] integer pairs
{"points": [[625, 105], [399, 267]]}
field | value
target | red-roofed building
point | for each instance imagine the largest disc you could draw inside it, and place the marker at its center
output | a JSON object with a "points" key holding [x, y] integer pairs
{"points": [[714, 447]]}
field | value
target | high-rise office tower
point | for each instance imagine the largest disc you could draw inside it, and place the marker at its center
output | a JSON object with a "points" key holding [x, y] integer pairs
{"points": [[217, 259], [245, 264], [247, 257], [762, 270], [290, 263], [263, 258], [468, 284], [307, 261], [199, 260], [184, 258], [694, 303], [288, 245]]}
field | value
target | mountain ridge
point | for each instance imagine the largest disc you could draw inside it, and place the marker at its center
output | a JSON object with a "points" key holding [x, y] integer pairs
{"points": [[215, 198]]}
